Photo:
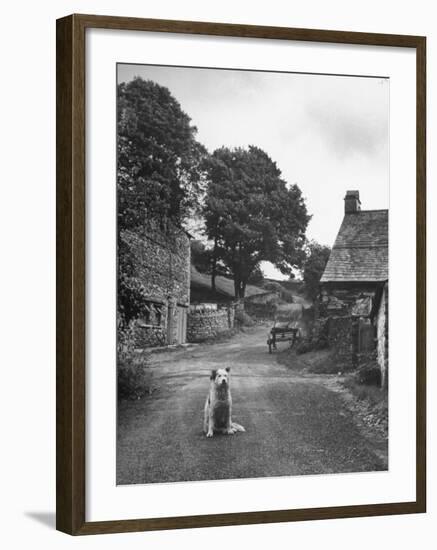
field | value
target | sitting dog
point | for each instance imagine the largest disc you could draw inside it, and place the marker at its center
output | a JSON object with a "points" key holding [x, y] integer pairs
{"points": [[218, 406]]}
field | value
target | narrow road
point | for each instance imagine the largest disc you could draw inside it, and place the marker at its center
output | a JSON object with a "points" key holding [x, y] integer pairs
{"points": [[295, 424]]}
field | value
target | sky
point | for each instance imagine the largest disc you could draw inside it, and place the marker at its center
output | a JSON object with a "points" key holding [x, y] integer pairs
{"points": [[326, 133]]}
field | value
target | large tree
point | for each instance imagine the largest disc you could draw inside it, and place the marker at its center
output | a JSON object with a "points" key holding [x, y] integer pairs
{"points": [[158, 164], [317, 256], [252, 215], [159, 173]]}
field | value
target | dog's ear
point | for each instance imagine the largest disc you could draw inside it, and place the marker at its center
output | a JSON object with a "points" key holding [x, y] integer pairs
{"points": [[228, 369], [213, 374]]}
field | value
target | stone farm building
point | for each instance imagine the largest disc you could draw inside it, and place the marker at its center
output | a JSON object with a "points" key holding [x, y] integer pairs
{"points": [[160, 258], [160, 261], [353, 303]]}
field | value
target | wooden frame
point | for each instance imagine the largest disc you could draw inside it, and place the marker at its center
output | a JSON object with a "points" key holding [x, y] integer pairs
{"points": [[70, 204]]}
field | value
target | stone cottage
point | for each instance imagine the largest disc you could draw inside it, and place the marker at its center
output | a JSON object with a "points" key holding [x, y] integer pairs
{"points": [[353, 301], [160, 258]]}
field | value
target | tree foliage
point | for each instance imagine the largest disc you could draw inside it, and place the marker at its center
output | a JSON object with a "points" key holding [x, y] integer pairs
{"points": [[201, 256], [159, 160], [159, 173], [316, 259], [132, 299], [251, 214]]}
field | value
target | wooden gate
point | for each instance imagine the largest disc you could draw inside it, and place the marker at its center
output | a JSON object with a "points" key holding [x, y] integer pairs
{"points": [[182, 325], [177, 325]]}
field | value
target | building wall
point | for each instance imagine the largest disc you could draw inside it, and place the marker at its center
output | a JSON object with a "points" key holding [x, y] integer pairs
{"points": [[344, 312], [160, 261], [348, 299], [339, 310], [340, 339], [382, 337]]}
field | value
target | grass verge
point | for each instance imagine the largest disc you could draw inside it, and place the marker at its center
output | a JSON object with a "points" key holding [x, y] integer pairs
{"points": [[315, 362]]}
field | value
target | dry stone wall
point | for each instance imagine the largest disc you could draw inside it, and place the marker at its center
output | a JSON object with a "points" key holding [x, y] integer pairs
{"points": [[205, 323]]}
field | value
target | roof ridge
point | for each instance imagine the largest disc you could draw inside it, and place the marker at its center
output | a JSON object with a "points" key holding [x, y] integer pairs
{"points": [[364, 211], [357, 244]]}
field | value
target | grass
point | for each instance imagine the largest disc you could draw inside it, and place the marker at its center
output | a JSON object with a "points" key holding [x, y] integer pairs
{"points": [[316, 362], [223, 285], [374, 395], [373, 399], [219, 337]]}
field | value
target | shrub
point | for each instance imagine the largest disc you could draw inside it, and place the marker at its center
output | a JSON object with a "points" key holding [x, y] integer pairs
{"points": [[134, 379], [125, 338], [368, 374], [372, 394], [311, 344], [304, 346], [321, 342]]}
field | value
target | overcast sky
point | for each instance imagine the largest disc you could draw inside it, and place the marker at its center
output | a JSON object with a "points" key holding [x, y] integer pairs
{"points": [[326, 133]]}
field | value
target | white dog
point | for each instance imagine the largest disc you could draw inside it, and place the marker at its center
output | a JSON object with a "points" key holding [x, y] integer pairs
{"points": [[218, 406]]}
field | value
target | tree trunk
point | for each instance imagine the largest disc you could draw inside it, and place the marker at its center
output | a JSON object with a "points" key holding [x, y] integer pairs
{"points": [[214, 265], [239, 287], [213, 274], [236, 287], [243, 289]]}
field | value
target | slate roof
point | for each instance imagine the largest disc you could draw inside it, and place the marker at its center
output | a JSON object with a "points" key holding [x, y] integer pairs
{"points": [[360, 251]]}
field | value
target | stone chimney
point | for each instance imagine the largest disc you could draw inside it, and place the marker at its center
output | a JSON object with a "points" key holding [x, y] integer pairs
{"points": [[352, 202]]}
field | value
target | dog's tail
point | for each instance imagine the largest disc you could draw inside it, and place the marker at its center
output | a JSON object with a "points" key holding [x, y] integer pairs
{"points": [[238, 427]]}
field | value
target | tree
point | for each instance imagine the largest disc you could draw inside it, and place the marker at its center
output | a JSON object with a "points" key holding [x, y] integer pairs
{"points": [[201, 256], [251, 215], [159, 173], [158, 164], [316, 259]]}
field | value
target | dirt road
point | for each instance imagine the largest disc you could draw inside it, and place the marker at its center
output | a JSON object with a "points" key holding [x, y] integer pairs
{"points": [[295, 424]]}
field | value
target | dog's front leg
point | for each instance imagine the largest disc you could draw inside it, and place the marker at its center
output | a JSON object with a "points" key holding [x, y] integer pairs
{"points": [[229, 429], [210, 431], [205, 417]]}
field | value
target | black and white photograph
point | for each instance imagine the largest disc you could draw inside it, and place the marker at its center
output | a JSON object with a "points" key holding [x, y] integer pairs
{"points": [[252, 274]]}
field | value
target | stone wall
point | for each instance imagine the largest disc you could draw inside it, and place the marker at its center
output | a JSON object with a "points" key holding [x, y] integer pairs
{"points": [[340, 332], [146, 336], [159, 258], [205, 323]]}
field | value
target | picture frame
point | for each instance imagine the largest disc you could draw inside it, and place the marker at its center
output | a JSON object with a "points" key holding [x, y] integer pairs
{"points": [[71, 155]]}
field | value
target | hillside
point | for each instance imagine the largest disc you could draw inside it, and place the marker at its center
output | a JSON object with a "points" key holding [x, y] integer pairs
{"points": [[224, 286]]}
